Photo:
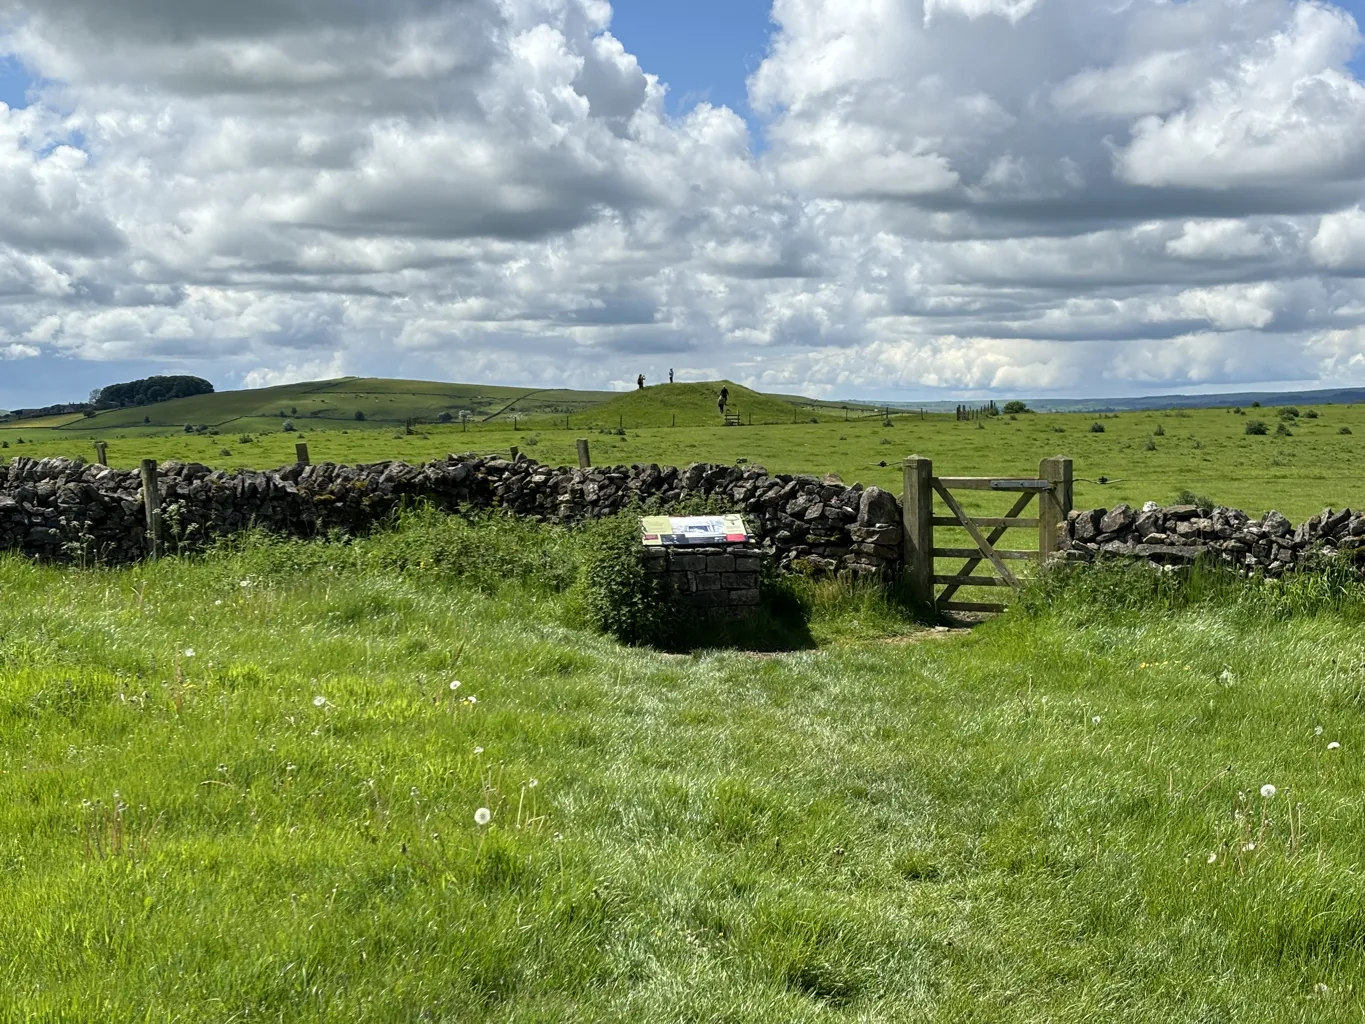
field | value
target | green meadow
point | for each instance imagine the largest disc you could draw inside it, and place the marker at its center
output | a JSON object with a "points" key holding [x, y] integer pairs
{"points": [[399, 780], [405, 779], [1139, 456]]}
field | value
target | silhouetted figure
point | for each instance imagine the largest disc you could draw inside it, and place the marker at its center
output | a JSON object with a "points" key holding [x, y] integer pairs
{"points": [[670, 375], [640, 382], [722, 400]]}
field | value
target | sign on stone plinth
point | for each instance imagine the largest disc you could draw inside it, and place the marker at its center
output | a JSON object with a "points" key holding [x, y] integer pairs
{"points": [[677, 531]]}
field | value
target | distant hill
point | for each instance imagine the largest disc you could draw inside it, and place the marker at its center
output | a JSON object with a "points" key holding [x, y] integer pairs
{"points": [[1328, 396], [385, 404]]}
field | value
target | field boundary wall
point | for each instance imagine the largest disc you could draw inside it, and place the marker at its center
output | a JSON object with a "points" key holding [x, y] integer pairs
{"points": [[65, 510]]}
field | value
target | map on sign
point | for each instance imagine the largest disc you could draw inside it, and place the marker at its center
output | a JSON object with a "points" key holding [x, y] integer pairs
{"points": [[675, 530]]}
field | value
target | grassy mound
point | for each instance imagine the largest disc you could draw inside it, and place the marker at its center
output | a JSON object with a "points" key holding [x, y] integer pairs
{"points": [[248, 787], [691, 405]]}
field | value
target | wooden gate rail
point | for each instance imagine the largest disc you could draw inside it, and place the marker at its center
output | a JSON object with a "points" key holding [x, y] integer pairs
{"points": [[1053, 489]]}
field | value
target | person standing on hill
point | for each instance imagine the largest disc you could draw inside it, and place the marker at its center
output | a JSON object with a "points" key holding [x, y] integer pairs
{"points": [[640, 382], [722, 400], [670, 375]]}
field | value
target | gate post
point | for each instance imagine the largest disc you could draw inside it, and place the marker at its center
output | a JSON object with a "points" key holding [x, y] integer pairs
{"points": [[1053, 505], [151, 503], [917, 525]]}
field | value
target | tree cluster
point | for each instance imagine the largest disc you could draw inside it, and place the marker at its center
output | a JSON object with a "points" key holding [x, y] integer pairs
{"points": [[150, 390]]}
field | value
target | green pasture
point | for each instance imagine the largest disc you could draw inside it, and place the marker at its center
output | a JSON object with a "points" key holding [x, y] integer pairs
{"points": [[1204, 451], [248, 786]]}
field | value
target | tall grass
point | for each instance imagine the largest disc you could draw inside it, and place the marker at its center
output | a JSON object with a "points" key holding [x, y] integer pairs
{"points": [[242, 787]]}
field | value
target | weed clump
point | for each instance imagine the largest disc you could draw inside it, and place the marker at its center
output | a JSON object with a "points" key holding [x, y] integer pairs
{"points": [[1256, 428], [1185, 496], [1097, 428], [614, 592]]}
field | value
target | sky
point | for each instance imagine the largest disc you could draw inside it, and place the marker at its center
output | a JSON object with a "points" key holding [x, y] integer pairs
{"points": [[882, 199]]}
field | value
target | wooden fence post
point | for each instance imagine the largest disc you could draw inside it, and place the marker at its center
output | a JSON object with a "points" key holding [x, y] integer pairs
{"points": [[101, 453], [151, 502], [584, 461], [301, 453], [1053, 505], [917, 523]]}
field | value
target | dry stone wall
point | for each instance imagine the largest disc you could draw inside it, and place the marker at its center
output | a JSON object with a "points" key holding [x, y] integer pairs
{"points": [[1179, 534], [64, 510]]}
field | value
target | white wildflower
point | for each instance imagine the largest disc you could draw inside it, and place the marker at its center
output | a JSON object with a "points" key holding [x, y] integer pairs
{"points": [[319, 701], [1317, 730], [533, 784], [478, 750], [189, 652], [454, 684], [482, 816], [1213, 857], [1268, 791]]}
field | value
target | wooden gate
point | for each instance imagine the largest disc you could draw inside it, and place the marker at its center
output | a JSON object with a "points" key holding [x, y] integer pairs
{"points": [[1053, 489]]}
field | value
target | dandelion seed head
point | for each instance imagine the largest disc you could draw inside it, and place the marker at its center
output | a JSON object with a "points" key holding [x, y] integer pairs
{"points": [[319, 700], [1334, 745], [1268, 791], [533, 783], [1095, 720], [482, 816], [454, 684], [189, 652], [222, 768], [1317, 730], [472, 699], [478, 750], [1213, 857]]}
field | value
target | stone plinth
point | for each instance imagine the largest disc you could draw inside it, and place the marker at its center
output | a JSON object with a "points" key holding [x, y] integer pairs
{"points": [[720, 581]]}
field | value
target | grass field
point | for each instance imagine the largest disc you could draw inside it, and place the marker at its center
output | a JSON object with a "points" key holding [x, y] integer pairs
{"points": [[1205, 451], [243, 788]]}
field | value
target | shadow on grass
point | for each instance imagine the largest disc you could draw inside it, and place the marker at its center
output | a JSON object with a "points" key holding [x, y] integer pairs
{"points": [[800, 613]]}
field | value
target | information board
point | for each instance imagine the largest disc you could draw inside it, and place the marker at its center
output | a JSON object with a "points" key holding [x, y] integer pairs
{"points": [[700, 530]]}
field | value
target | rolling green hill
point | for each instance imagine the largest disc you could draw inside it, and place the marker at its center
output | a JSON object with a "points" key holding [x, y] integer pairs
{"points": [[384, 404]]}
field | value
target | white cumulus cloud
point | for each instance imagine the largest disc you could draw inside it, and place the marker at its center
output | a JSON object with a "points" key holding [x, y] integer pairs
{"points": [[936, 198]]}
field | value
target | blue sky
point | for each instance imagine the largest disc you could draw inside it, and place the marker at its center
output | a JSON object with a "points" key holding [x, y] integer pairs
{"points": [[13, 83], [703, 49]]}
